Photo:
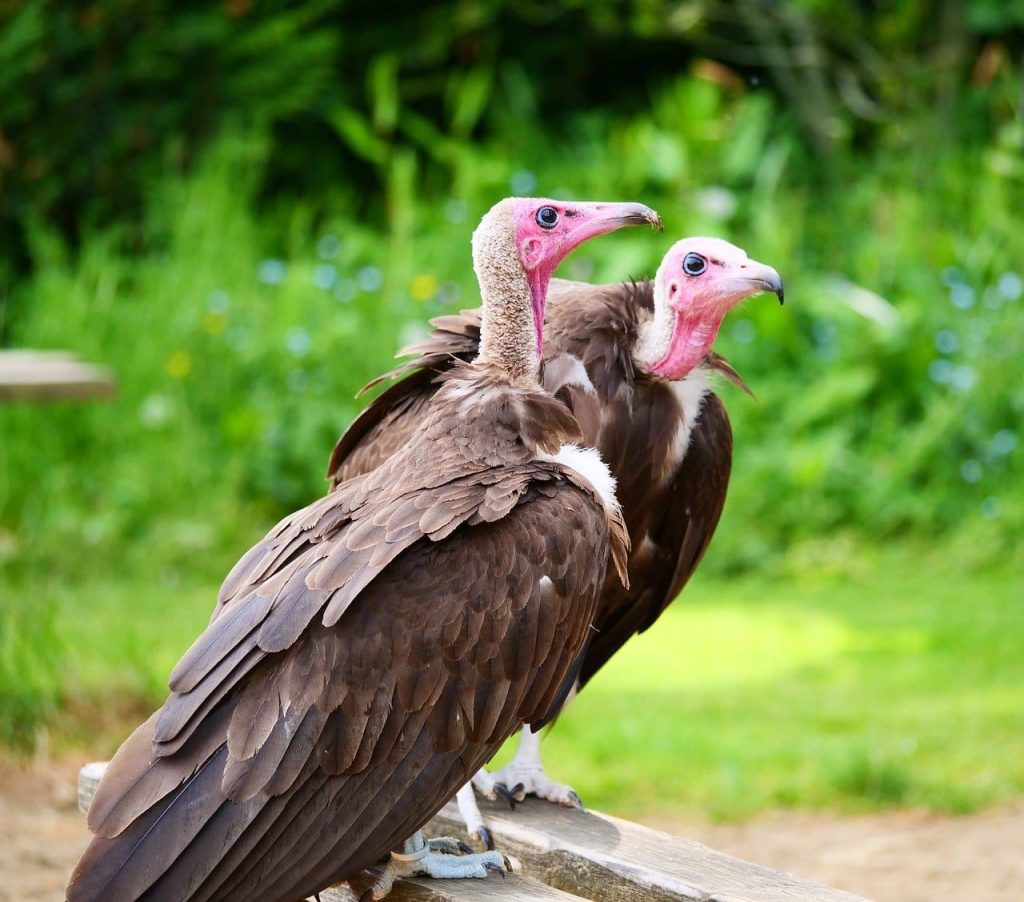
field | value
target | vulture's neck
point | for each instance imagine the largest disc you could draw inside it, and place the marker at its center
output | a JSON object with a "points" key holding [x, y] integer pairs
{"points": [[510, 331], [671, 345]]}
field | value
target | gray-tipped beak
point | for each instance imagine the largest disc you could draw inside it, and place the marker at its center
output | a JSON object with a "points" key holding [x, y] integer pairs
{"points": [[766, 279], [638, 214]]}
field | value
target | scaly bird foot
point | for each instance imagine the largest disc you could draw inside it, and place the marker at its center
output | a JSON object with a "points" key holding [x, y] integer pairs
{"points": [[437, 858], [516, 780]]}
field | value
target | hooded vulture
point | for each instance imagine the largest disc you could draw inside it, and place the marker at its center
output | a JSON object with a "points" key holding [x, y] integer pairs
{"points": [[633, 363], [375, 649]]}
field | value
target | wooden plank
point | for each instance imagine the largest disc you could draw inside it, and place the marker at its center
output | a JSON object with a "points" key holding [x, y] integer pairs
{"points": [[88, 779], [488, 889], [514, 886], [50, 376], [608, 859]]}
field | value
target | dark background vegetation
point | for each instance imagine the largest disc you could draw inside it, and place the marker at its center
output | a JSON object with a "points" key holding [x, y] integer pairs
{"points": [[245, 208]]}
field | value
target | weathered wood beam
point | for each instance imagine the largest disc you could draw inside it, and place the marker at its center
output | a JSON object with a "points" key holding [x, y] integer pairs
{"points": [[567, 854], [51, 376], [600, 857]]}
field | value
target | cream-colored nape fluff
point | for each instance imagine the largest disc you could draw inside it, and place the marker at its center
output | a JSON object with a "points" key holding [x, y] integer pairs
{"points": [[507, 330]]}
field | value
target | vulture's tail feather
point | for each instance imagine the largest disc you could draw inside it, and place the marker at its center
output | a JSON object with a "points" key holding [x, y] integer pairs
{"points": [[125, 866], [375, 814], [272, 868]]}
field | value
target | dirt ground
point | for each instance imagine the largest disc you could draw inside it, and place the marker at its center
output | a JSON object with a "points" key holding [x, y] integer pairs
{"points": [[902, 856], [892, 857]]}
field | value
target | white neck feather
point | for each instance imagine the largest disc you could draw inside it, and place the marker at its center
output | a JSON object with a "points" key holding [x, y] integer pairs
{"points": [[654, 335], [587, 463]]}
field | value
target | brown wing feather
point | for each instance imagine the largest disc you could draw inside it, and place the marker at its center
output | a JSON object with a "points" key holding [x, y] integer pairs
{"points": [[453, 336], [728, 372], [660, 569], [406, 621], [382, 427], [387, 422], [456, 597]]}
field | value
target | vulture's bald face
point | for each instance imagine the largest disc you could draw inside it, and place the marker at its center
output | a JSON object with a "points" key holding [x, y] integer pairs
{"points": [[710, 276], [543, 233], [699, 281], [547, 231]]}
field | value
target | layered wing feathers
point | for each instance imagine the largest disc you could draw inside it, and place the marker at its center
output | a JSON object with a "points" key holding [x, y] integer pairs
{"points": [[448, 647]]}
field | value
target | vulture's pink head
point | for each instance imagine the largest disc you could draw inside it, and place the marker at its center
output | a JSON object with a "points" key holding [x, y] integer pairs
{"points": [[699, 281], [544, 233]]}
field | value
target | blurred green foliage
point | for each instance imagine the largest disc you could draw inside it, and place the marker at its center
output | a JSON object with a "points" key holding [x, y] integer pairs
{"points": [[97, 96], [244, 210]]}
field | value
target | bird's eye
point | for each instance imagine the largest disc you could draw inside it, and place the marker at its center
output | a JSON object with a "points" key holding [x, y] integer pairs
{"points": [[547, 217], [694, 264]]}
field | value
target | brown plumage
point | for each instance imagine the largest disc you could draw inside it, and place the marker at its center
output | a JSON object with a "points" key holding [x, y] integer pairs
{"points": [[375, 648], [671, 503]]}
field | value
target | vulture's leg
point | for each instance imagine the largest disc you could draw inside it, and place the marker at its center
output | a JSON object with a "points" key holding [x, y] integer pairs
{"points": [[436, 858], [465, 798], [524, 776]]}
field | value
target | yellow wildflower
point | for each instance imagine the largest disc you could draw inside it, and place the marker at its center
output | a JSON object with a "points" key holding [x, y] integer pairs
{"points": [[214, 323], [423, 287], [179, 365]]}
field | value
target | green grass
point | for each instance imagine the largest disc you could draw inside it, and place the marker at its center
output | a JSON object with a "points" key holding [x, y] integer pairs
{"points": [[896, 682]]}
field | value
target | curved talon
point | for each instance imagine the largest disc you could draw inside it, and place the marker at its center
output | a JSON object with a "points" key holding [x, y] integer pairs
{"points": [[367, 895], [464, 847], [485, 837], [503, 791], [508, 864], [495, 869], [524, 776]]}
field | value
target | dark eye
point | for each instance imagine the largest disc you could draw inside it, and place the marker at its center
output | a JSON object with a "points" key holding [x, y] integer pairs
{"points": [[694, 264], [547, 217]]}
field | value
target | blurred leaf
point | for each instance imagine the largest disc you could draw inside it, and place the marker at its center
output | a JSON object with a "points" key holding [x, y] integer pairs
{"points": [[354, 129], [471, 94], [383, 86]]}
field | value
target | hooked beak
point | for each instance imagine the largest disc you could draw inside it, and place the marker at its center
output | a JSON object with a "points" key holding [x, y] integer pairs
{"points": [[600, 218], [764, 278], [638, 214]]}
